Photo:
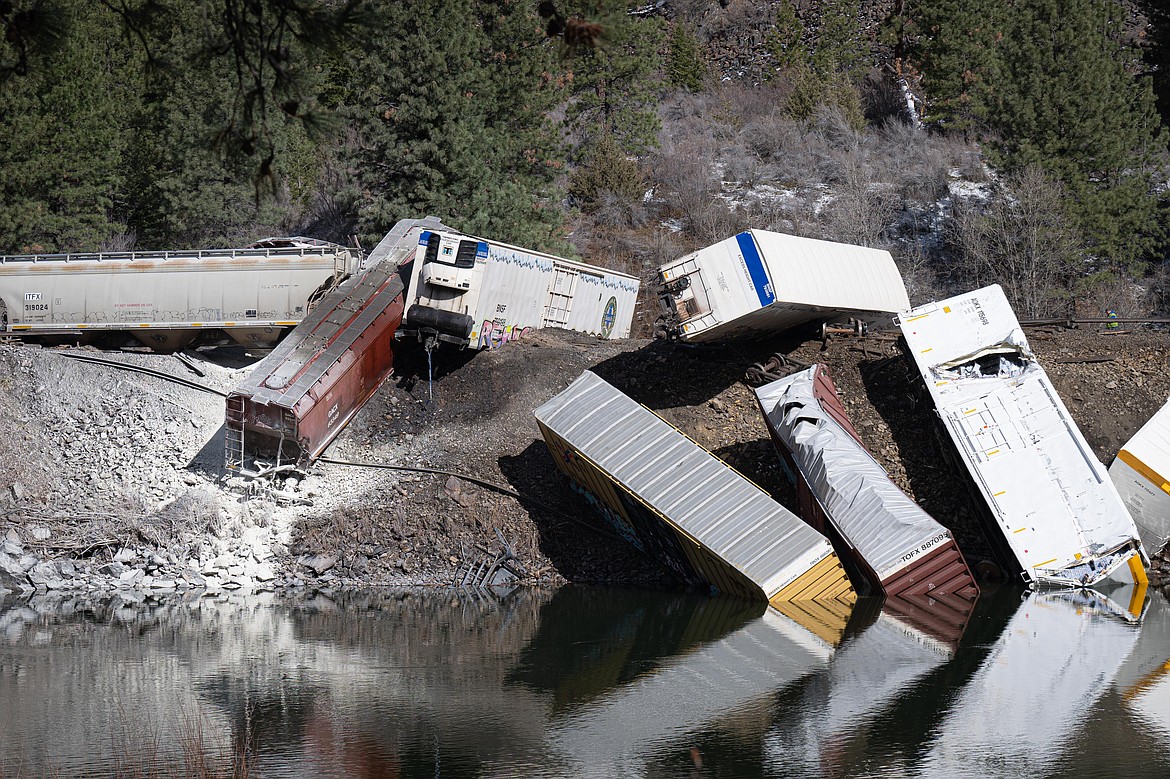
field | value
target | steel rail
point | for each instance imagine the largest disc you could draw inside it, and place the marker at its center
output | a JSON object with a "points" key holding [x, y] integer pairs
{"points": [[148, 371]]}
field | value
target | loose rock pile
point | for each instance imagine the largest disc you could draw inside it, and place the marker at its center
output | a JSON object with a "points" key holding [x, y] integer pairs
{"points": [[113, 481]]}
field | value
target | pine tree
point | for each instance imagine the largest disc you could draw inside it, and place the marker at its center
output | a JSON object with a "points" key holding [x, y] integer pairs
{"points": [[61, 139], [451, 102], [954, 43], [615, 84], [189, 183], [1066, 102], [686, 67]]}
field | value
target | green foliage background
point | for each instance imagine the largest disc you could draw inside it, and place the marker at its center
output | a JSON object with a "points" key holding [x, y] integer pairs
{"points": [[181, 123]]}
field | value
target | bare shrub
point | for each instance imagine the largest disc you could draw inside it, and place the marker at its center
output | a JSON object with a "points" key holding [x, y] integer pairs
{"points": [[910, 158], [861, 210], [1157, 301], [918, 272], [1094, 295], [124, 241], [1021, 240]]}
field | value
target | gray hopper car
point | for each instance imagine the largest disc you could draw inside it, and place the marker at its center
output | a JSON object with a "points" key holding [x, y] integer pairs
{"points": [[167, 299]]}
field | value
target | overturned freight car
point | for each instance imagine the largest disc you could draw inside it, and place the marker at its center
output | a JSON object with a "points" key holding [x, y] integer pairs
{"points": [[166, 299], [1046, 500], [1141, 474], [477, 293], [298, 398], [847, 495], [759, 283], [680, 504]]}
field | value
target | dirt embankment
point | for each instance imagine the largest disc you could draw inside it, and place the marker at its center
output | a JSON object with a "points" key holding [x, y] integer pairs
{"points": [[113, 479]]}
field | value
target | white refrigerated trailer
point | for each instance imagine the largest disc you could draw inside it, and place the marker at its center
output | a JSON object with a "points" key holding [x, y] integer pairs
{"points": [[759, 283], [477, 293], [1141, 474], [1050, 504]]}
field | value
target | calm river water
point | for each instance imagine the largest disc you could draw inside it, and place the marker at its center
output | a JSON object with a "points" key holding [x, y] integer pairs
{"points": [[582, 682]]}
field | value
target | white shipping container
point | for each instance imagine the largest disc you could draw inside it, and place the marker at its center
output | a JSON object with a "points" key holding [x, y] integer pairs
{"points": [[759, 283], [1141, 474], [1050, 498], [478, 293]]}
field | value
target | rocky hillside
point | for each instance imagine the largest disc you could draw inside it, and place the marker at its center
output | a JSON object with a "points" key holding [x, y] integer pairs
{"points": [[116, 480]]}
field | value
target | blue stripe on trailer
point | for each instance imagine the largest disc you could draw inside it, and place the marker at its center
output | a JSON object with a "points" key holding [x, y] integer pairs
{"points": [[755, 266]]}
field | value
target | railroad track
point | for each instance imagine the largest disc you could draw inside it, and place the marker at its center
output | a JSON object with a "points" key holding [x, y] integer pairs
{"points": [[148, 371]]}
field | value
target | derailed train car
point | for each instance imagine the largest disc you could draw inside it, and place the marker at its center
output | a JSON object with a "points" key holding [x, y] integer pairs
{"points": [[1046, 500], [477, 293], [1141, 474], [759, 283], [298, 398], [680, 504], [167, 299], [847, 495]]}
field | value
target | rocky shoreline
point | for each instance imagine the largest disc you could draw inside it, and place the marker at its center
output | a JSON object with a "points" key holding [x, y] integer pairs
{"points": [[113, 482]]}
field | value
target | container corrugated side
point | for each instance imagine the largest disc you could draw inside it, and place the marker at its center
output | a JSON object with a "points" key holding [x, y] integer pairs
{"points": [[675, 500]]}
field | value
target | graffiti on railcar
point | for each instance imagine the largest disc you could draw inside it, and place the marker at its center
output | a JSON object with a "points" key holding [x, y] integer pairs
{"points": [[495, 332]]}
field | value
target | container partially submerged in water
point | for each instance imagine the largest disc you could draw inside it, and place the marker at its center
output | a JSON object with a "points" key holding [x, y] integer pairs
{"points": [[1141, 474], [847, 495], [680, 504], [1048, 502]]}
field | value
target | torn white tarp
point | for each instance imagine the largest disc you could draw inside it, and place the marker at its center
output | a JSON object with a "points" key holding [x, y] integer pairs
{"points": [[871, 514]]}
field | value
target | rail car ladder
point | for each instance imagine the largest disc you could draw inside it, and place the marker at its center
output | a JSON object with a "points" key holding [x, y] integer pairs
{"points": [[233, 434]]}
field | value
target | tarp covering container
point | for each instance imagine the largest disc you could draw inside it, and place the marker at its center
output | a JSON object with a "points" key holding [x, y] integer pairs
{"points": [[680, 504], [847, 495], [298, 398], [479, 293], [759, 283], [1141, 474], [1049, 501]]}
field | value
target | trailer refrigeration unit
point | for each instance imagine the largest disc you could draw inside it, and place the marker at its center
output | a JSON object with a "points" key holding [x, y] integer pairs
{"points": [[1141, 474], [1047, 501], [759, 283], [476, 293], [683, 506], [847, 495]]}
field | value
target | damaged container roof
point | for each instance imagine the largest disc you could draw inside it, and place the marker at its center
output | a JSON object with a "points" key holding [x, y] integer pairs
{"points": [[680, 504], [1141, 474], [846, 494], [1049, 504], [759, 283]]}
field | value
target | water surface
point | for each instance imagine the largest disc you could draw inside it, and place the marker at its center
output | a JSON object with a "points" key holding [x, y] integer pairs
{"points": [[584, 682]]}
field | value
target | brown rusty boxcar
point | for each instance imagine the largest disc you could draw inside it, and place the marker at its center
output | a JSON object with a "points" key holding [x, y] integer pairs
{"points": [[299, 397]]}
